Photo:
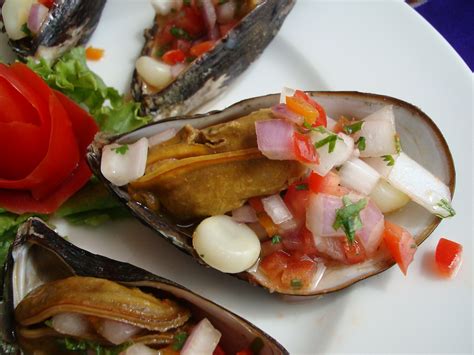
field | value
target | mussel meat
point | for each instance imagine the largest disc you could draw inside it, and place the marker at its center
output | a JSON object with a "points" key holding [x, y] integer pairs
{"points": [[60, 298], [49, 28], [195, 49], [192, 185]]}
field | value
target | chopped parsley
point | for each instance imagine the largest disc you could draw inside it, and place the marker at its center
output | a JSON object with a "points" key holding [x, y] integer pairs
{"points": [[91, 347], [180, 33], [301, 187], [389, 160], [276, 239], [353, 128], [361, 143], [348, 217], [179, 340], [296, 284], [329, 140], [26, 30], [319, 129], [121, 150], [445, 205], [398, 145]]}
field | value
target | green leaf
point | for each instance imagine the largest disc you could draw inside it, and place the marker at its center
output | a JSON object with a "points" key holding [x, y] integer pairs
{"points": [[71, 76], [121, 150], [348, 217], [179, 340], [301, 187], [361, 143], [26, 30], [329, 140], [180, 33], [389, 159], [296, 284], [353, 128], [276, 239]]}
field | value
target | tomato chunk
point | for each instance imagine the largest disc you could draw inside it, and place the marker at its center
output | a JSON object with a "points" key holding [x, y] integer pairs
{"points": [[274, 264], [299, 106], [296, 199], [304, 149], [218, 351], [328, 184], [299, 273], [300, 241], [321, 120], [400, 243], [174, 56], [448, 257], [355, 252], [201, 48]]}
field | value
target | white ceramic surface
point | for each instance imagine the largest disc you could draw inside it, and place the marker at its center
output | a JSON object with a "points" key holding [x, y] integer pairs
{"points": [[382, 47]]}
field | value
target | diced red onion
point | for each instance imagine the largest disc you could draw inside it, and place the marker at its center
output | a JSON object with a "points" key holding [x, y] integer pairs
{"points": [[117, 332], [183, 45], [70, 323], [286, 92], [209, 15], [282, 111], [371, 233], [38, 14], [321, 213], [244, 214], [177, 69], [276, 209], [331, 247], [202, 340], [226, 12], [275, 139], [161, 137], [359, 176]]}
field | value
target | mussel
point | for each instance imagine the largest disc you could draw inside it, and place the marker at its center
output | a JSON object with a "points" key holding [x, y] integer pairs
{"points": [[204, 77], [50, 285], [419, 136], [49, 28]]}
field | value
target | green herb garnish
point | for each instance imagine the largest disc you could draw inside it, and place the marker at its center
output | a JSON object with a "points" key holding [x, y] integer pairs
{"points": [[87, 347], [179, 340], [445, 205], [180, 33], [296, 284], [26, 30], [348, 217], [256, 346], [276, 239], [329, 140], [398, 145], [350, 129], [301, 187], [361, 143], [389, 160], [121, 150]]}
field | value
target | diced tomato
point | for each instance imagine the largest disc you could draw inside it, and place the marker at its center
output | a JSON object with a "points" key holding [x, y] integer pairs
{"points": [[218, 351], [224, 29], [94, 53], [355, 252], [300, 241], [321, 119], [341, 123], [299, 273], [47, 3], [244, 352], [165, 37], [304, 149], [269, 247], [448, 256], [263, 218], [190, 20], [201, 48], [174, 56], [328, 184], [400, 243], [274, 264], [299, 106], [296, 199]]}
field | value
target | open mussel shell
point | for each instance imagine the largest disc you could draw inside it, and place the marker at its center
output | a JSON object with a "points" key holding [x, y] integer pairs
{"points": [[420, 139], [212, 72], [39, 255], [69, 23]]}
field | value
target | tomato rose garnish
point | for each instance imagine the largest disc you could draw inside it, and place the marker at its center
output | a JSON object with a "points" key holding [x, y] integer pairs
{"points": [[43, 138]]}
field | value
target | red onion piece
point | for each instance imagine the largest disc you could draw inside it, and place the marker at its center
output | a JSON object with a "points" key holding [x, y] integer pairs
{"points": [[202, 340], [371, 233], [331, 247], [276, 209], [38, 14], [210, 17], [282, 111], [275, 139], [162, 137], [321, 214], [226, 12], [244, 214]]}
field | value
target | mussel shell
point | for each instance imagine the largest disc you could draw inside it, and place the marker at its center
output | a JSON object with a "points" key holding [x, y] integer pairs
{"points": [[213, 71], [420, 138], [56, 258], [70, 23]]}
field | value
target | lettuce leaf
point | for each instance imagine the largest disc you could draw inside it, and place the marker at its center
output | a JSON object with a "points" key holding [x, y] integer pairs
{"points": [[71, 76]]}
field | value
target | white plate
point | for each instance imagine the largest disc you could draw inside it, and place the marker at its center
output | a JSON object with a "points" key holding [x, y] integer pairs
{"points": [[382, 47]]}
